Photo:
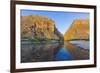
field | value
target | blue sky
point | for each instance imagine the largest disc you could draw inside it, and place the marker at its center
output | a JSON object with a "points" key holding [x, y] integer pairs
{"points": [[62, 20]]}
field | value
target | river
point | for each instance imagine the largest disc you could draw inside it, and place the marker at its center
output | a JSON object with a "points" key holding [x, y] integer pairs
{"points": [[43, 52]]}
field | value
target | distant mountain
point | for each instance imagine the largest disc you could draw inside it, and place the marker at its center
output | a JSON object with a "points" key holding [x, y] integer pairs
{"points": [[39, 27], [79, 29]]}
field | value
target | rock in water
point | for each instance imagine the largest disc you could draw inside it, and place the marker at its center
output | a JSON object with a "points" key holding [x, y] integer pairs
{"points": [[78, 30], [41, 27]]}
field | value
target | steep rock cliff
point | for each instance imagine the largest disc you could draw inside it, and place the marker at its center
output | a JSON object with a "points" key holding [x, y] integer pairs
{"points": [[39, 27], [78, 30]]}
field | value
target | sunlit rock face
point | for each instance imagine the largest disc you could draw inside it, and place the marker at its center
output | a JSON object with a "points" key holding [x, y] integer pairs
{"points": [[78, 30], [34, 26]]}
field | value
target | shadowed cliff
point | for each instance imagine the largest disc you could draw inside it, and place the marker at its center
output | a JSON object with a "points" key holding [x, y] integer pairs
{"points": [[39, 27]]}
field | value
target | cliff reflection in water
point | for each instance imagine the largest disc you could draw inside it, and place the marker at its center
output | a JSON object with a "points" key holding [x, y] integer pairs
{"points": [[52, 52]]}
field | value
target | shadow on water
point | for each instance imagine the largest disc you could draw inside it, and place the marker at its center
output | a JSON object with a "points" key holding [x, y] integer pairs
{"points": [[52, 52]]}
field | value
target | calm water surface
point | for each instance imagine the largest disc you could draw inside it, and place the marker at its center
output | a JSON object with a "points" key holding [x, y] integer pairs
{"points": [[35, 52]]}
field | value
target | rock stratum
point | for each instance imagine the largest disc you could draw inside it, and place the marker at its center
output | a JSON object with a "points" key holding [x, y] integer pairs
{"points": [[78, 30], [41, 27]]}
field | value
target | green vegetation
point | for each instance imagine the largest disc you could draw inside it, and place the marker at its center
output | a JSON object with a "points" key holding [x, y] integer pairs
{"points": [[39, 40], [77, 39]]}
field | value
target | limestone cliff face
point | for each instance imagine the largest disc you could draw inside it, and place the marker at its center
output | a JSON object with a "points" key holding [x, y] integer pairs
{"points": [[39, 27], [79, 29]]}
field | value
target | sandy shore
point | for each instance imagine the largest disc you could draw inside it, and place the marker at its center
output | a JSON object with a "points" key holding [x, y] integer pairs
{"points": [[81, 43]]}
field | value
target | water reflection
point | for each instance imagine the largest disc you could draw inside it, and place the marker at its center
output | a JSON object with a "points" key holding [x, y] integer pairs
{"points": [[77, 52], [62, 54], [52, 52]]}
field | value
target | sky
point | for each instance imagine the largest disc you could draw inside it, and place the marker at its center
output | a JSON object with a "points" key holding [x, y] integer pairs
{"points": [[62, 20]]}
